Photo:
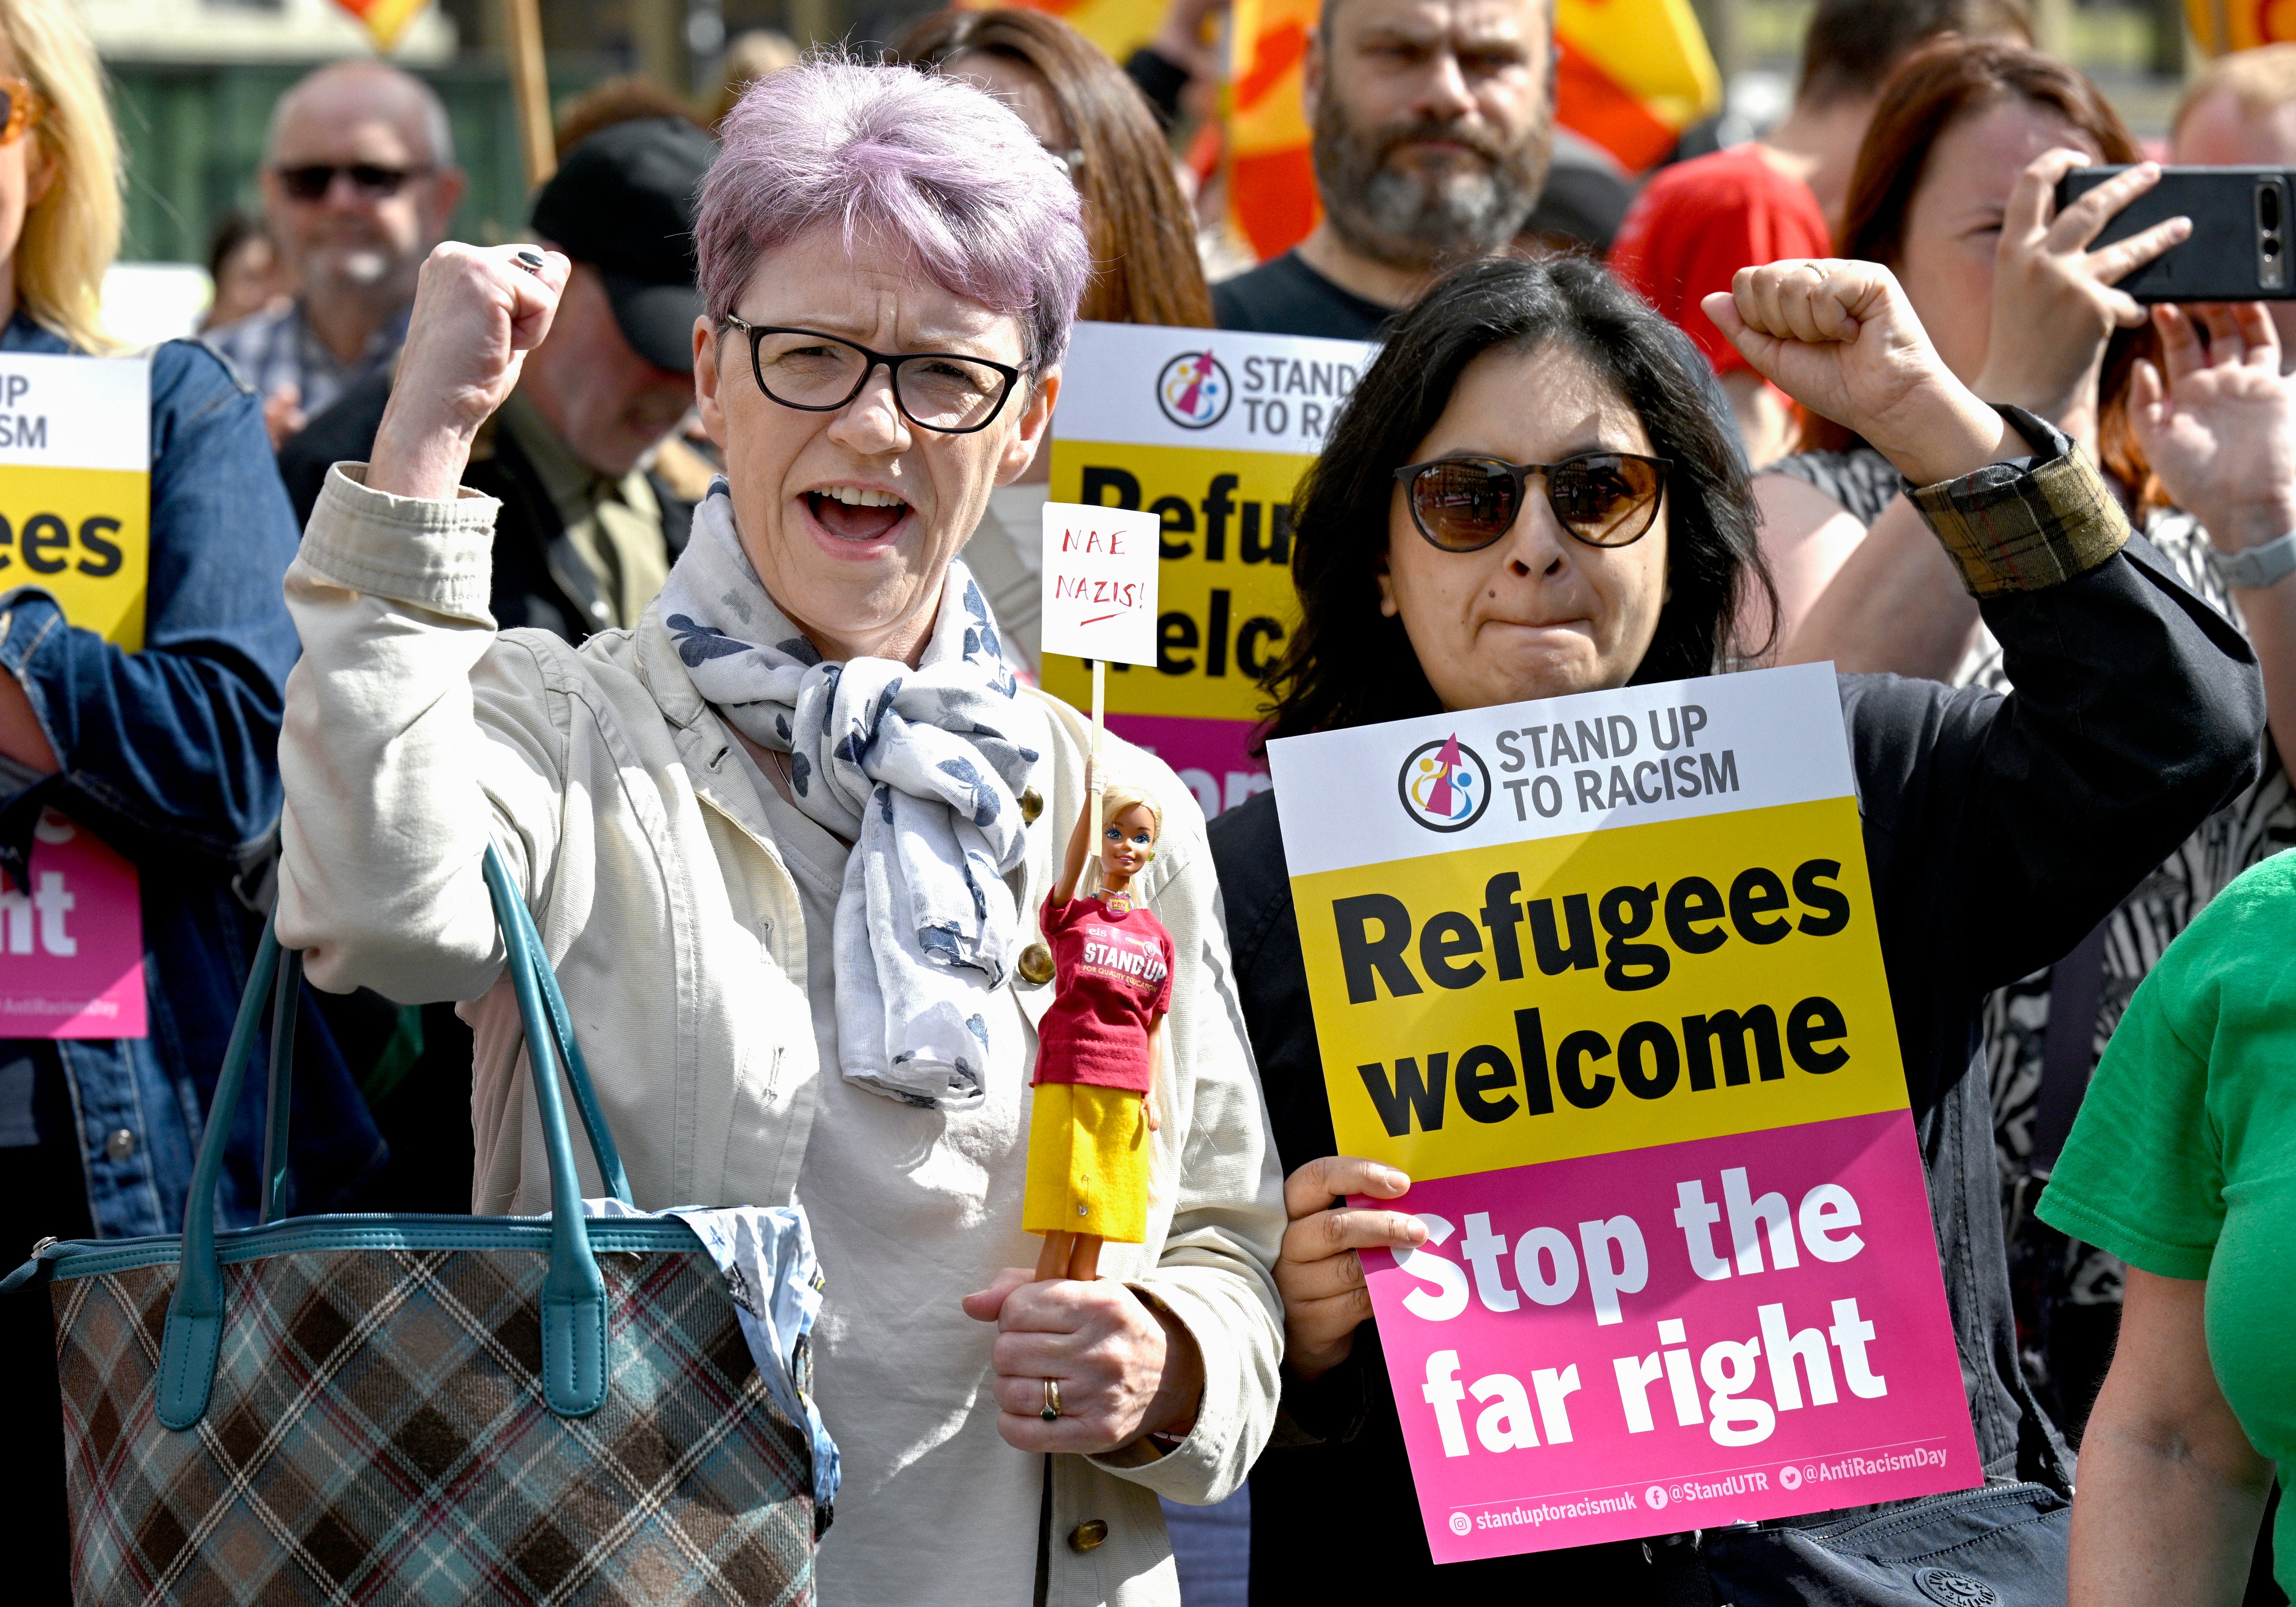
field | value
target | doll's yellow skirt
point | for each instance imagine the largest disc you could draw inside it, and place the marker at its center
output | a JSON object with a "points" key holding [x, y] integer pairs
{"points": [[1087, 1163]]}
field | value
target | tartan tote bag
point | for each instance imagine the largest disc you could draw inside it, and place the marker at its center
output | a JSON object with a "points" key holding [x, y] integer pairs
{"points": [[420, 1409]]}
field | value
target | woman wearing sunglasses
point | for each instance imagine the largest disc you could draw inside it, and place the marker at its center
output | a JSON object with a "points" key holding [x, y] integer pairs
{"points": [[1526, 498]]}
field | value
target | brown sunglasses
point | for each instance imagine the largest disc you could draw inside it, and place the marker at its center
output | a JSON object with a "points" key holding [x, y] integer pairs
{"points": [[1606, 499], [19, 108]]}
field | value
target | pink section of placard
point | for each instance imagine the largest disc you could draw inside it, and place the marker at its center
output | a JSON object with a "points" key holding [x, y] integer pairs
{"points": [[72, 950], [1645, 1403], [1212, 757]]}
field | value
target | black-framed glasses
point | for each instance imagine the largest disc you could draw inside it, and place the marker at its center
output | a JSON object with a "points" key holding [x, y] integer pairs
{"points": [[1606, 499], [311, 181], [949, 392]]}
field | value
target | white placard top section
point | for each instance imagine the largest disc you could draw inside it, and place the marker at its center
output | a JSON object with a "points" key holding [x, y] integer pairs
{"points": [[74, 412], [1100, 582], [1558, 767], [1142, 384]]}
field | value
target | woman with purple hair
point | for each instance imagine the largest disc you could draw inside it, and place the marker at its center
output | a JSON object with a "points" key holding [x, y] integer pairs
{"points": [[783, 841]]}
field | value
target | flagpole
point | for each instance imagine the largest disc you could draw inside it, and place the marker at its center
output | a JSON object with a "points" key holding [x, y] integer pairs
{"points": [[530, 86]]}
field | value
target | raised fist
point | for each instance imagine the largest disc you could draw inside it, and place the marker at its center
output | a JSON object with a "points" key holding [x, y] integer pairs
{"points": [[1841, 338], [478, 312]]}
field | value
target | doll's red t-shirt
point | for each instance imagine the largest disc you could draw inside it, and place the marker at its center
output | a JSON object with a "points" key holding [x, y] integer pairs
{"points": [[1111, 979]]}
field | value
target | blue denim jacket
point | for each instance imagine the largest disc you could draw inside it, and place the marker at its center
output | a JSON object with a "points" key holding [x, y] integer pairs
{"points": [[170, 755]]}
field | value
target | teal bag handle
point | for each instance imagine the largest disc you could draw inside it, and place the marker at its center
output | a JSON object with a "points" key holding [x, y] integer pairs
{"points": [[285, 998], [289, 995], [574, 1296], [569, 1052], [510, 911], [194, 1333]]}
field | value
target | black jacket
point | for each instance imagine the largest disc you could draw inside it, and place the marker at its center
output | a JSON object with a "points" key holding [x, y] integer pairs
{"points": [[1998, 830], [539, 580]]}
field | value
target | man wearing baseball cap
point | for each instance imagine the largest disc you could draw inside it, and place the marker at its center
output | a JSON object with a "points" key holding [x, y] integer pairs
{"points": [[589, 523]]}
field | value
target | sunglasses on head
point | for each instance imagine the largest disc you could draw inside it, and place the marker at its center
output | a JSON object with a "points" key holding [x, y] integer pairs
{"points": [[1606, 499], [312, 181], [20, 109]]}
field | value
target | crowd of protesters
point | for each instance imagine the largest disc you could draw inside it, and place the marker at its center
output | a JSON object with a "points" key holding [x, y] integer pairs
{"points": [[517, 546]]}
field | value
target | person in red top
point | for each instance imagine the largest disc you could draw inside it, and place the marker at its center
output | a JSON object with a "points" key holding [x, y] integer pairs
{"points": [[1099, 1045], [1698, 222], [1689, 233]]}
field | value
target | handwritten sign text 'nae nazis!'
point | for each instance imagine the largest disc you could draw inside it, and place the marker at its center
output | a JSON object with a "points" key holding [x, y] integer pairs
{"points": [[1100, 582]]}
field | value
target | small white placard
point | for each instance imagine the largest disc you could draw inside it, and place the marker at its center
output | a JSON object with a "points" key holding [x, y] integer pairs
{"points": [[1100, 582]]}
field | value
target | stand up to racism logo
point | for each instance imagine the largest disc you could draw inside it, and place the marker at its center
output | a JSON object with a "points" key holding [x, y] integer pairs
{"points": [[1445, 786], [1194, 390]]}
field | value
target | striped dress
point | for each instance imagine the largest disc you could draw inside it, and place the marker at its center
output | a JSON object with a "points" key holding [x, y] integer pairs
{"points": [[2252, 827]]}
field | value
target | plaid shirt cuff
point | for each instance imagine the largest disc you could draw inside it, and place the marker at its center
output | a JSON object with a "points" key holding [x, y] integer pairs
{"points": [[2028, 522]]}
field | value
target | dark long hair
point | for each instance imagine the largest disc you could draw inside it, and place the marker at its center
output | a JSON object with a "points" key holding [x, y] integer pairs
{"points": [[1145, 265], [1931, 90], [1348, 665]]}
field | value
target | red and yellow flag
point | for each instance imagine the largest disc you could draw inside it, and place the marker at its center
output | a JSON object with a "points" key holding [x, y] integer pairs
{"points": [[384, 19], [1632, 75], [2221, 26], [1271, 179], [1119, 26]]}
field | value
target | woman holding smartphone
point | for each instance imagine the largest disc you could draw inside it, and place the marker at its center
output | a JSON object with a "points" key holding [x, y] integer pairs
{"points": [[1955, 188]]}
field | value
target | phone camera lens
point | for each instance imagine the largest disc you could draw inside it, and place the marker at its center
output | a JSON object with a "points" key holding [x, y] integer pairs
{"points": [[2267, 206], [2271, 246]]}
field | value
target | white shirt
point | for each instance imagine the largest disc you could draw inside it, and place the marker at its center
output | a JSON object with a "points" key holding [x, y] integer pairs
{"points": [[928, 1201]]}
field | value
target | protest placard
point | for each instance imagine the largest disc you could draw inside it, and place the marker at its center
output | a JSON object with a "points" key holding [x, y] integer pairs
{"points": [[1600, 973], [1209, 431], [1100, 575], [75, 522]]}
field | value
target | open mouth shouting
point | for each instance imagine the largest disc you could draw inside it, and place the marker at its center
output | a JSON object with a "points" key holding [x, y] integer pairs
{"points": [[854, 520]]}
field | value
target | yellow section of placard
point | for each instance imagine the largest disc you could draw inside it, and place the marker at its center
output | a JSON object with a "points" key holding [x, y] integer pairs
{"points": [[85, 535], [1225, 603], [1580, 995]]}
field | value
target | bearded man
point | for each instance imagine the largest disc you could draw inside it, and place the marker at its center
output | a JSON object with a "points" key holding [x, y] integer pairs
{"points": [[1433, 126], [359, 182]]}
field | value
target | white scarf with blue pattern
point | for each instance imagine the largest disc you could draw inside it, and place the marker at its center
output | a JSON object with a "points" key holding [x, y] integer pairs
{"points": [[920, 769]]}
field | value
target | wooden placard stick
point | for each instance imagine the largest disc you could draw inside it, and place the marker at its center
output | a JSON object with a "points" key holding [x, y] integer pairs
{"points": [[1099, 725], [529, 88]]}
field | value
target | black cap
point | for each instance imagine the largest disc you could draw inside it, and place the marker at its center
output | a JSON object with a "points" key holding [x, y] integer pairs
{"points": [[623, 202]]}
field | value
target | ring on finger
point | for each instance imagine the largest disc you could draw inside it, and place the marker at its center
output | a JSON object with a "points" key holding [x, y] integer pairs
{"points": [[1051, 1411]]}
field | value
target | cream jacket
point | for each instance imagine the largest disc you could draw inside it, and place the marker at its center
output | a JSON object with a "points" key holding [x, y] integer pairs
{"points": [[416, 731]]}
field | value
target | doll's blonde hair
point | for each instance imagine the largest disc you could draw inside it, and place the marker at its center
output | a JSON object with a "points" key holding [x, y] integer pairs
{"points": [[1115, 799]]}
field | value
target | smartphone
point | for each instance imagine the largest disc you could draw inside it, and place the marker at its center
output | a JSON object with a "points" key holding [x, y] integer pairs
{"points": [[2242, 229]]}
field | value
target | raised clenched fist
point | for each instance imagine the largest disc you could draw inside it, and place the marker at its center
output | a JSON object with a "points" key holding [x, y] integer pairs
{"points": [[478, 311], [1841, 338]]}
